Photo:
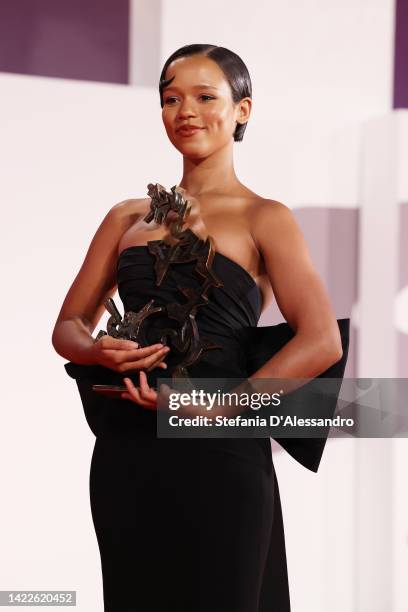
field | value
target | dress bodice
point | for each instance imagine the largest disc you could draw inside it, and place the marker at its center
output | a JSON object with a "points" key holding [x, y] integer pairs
{"points": [[236, 304], [227, 309]]}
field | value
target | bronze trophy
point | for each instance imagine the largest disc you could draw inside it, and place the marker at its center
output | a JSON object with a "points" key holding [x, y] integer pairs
{"points": [[185, 246]]}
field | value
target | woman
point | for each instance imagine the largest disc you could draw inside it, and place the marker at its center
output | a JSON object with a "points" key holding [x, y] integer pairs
{"points": [[194, 524]]}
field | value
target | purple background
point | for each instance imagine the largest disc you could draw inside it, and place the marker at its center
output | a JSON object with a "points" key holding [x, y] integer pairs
{"points": [[75, 39]]}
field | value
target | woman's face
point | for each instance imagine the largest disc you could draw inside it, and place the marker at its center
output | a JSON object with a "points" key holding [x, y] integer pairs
{"points": [[199, 95]]}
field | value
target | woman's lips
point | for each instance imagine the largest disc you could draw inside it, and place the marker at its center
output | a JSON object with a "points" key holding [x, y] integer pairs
{"points": [[189, 131]]}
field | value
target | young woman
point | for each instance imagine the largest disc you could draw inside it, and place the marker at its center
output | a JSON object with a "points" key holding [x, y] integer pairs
{"points": [[194, 524]]}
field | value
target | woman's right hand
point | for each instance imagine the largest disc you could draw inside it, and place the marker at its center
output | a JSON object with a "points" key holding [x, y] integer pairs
{"points": [[124, 355]]}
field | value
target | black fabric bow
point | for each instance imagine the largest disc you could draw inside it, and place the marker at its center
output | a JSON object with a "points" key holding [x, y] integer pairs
{"points": [[261, 344]]}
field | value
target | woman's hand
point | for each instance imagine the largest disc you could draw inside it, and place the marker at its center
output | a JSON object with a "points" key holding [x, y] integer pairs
{"points": [[149, 398], [124, 355], [143, 395]]}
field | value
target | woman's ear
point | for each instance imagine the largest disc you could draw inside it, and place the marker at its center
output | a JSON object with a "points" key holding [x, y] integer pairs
{"points": [[244, 110]]}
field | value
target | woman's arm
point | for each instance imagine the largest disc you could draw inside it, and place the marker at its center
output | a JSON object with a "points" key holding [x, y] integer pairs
{"points": [[300, 295], [96, 280]]}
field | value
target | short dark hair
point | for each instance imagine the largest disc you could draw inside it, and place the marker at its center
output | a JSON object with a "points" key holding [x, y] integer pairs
{"points": [[230, 63]]}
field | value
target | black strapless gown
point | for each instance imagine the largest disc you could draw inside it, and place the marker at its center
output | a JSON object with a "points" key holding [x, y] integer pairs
{"points": [[186, 525]]}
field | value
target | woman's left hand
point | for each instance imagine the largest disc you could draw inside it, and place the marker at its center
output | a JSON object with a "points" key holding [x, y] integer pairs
{"points": [[148, 398], [143, 395]]}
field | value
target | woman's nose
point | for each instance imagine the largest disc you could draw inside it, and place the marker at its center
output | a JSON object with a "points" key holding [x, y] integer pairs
{"points": [[186, 109]]}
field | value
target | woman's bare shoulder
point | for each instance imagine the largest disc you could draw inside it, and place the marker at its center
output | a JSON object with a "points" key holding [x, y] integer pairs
{"points": [[264, 206], [267, 213], [127, 212]]}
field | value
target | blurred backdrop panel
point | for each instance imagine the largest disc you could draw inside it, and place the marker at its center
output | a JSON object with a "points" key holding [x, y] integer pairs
{"points": [[79, 39], [401, 54]]}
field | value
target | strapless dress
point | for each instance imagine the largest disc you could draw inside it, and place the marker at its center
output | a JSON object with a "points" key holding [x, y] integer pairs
{"points": [[191, 524], [185, 525]]}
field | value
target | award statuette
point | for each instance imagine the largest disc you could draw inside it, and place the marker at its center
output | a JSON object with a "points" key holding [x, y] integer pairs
{"points": [[181, 332]]}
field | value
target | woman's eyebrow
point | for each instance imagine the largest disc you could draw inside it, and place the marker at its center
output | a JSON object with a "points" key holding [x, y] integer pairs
{"points": [[202, 86]]}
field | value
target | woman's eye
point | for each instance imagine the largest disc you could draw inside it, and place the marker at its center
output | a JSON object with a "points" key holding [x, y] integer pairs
{"points": [[171, 98]]}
